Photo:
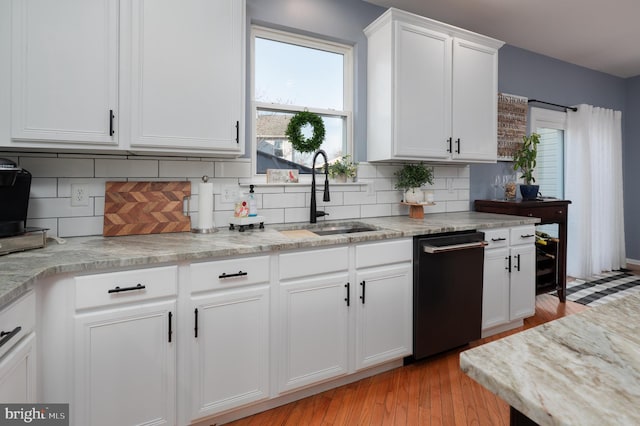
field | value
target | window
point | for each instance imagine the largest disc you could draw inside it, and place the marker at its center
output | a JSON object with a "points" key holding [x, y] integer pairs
{"points": [[549, 172], [293, 73]]}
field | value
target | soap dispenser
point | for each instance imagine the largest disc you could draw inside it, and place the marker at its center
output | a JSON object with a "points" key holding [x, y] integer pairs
{"points": [[253, 205]]}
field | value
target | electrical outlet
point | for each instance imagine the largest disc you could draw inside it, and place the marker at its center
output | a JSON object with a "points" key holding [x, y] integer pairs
{"points": [[79, 195], [230, 194]]}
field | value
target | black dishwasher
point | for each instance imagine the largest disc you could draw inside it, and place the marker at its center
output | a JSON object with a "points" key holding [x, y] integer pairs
{"points": [[447, 291]]}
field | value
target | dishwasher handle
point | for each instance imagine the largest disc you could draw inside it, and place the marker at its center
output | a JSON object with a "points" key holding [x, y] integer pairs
{"points": [[427, 248]]}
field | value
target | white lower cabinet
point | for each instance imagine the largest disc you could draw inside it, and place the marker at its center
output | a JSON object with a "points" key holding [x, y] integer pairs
{"points": [[18, 351], [313, 320], [230, 341], [125, 348], [384, 302], [509, 278]]}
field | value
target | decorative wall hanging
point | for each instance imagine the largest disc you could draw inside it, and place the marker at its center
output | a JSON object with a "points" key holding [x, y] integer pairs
{"points": [[297, 139], [512, 124]]}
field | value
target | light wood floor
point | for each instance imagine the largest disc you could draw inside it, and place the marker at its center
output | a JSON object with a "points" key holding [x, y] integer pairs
{"points": [[428, 392]]}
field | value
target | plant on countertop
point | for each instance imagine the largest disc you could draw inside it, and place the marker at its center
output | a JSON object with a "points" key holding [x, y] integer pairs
{"points": [[294, 132], [525, 158], [343, 167], [413, 176], [410, 178]]}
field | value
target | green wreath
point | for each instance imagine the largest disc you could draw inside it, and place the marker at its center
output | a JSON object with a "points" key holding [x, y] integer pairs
{"points": [[299, 142]]}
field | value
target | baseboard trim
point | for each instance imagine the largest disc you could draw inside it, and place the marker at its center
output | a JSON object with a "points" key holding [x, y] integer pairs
{"points": [[633, 264], [294, 396]]}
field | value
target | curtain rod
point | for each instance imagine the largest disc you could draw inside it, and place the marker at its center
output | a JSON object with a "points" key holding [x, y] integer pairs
{"points": [[555, 105]]}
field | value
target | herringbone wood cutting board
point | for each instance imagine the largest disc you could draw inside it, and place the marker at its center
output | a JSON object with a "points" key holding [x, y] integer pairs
{"points": [[133, 208]]}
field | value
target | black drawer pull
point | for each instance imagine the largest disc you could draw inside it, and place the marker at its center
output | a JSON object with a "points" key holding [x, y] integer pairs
{"points": [[458, 143], [111, 117], [195, 329], [527, 236], [498, 239], [239, 274], [364, 287], [518, 266], [508, 268], [7, 335], [170, 325], [237, 132], [449, 142], [121, 289]]}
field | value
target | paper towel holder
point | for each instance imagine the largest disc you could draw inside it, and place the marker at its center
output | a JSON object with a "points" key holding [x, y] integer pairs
{"points": [[204, 229]]}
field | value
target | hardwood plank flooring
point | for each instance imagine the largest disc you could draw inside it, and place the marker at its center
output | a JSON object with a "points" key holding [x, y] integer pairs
{"points": [[428, 392]]}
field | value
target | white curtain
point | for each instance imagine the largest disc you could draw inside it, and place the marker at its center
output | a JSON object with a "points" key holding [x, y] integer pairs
{"points": [[593, 183]]}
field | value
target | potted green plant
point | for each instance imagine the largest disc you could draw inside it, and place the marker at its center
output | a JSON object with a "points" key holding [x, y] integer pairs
{"points": [[525, 160], [410, 178], [343, 168]]}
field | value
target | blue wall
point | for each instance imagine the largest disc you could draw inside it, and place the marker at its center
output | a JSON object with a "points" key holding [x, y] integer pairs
{"points": [[521, 73]]}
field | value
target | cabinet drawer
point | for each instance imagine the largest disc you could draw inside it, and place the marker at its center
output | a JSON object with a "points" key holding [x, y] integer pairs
{"points": [[384, 253], [18, 320], [229, 273], [547, 214], [125, 286], [496, 238], [523, 235], [314, 262]]}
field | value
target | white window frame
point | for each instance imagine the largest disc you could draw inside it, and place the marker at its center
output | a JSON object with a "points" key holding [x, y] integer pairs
{"points": [[348, 89]]}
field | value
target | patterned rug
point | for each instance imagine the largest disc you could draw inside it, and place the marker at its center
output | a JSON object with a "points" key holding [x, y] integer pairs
{"points": [[603, 288]]}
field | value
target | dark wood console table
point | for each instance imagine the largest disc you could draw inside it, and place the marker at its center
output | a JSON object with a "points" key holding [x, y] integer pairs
{"points": [[549, 211]]}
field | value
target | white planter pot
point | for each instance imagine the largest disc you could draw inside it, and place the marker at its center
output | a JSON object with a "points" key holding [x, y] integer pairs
{"points": [[413, 195]]}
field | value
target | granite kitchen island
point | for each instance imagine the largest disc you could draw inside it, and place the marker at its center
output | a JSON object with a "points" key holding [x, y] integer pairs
{"points": [[579, 370]]}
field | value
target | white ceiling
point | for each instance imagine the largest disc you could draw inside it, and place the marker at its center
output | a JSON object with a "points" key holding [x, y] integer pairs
{"points": [[602, 35]]}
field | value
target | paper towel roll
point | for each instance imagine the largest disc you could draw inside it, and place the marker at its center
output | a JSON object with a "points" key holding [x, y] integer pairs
{"points": [[205, 205]]}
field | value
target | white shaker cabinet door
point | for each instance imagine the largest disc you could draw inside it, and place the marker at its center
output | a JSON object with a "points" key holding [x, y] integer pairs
{"points": [[230, 350], [313, 330], [126, 366], [423, 92], [523, 281], [383, 298], [187, 75], [18, 373], [475, 101], [495, 289], [64, 72]]}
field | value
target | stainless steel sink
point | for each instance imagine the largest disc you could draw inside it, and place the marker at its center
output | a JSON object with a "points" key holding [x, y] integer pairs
{"points": [[329, 229]]}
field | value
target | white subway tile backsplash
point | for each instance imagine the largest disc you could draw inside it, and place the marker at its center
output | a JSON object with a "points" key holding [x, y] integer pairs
{"points": [[50, 204], [80, 226], [112, 168], [185, 169], [57, 167], [44, 188], [56, 207]]}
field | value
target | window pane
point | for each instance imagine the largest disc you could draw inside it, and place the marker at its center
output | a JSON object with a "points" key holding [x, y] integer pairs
{"points": [[275, 150], [550, 170], [295, 75]]}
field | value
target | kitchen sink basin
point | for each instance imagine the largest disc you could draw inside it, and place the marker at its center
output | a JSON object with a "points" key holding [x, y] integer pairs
{"points": [[310, 230]]}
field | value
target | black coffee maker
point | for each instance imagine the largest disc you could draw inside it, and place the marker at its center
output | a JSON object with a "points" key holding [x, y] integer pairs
{"points": [[15, 186]]}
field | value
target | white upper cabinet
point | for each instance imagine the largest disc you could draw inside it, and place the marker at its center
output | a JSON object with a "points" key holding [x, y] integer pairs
{"points": [[128, 75], [64, 72], [187, 75], [432, 91]]}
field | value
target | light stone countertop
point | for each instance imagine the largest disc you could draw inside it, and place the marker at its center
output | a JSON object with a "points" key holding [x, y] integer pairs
{"points": [[19, 271], [583, 369]]}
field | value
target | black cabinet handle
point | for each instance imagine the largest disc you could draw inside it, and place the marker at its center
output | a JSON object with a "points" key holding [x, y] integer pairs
{"points": [[518, 266], [508, 268], [364, 288], [498, 239], [237, 132], [120, 289], [527, 236], [449, 142], [111, 117], [5, 336], [195, 329], [170, 326], [239, 274], [348, 298], [458, 143]]}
